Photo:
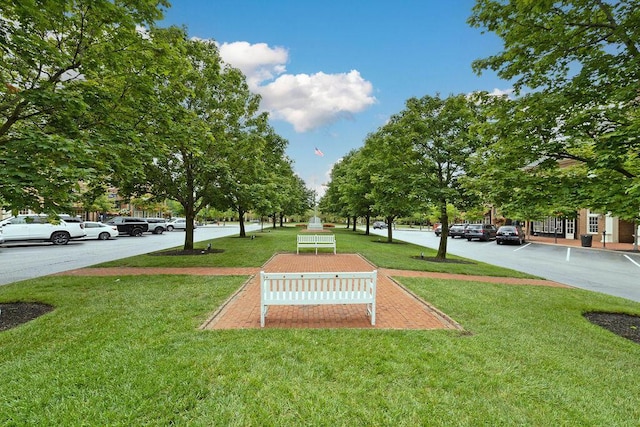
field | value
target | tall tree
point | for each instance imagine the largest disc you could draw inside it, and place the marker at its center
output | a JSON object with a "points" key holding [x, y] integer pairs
{"points": [[437, 145], [190, 108], [392, 185], [333, 201], [358, 185]]}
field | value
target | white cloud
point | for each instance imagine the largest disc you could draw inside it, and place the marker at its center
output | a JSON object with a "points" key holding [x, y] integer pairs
{"points": [[307, 101], [257, 61], [501, 92]]}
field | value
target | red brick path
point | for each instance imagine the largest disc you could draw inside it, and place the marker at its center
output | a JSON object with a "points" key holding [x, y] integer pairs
{"points": [[397, 308]]}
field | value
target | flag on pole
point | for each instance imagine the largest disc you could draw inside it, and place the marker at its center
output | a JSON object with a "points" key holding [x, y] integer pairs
{"points": [[319, 153]]}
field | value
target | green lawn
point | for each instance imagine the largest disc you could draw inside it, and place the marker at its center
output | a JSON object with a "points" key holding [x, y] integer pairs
{"points": [[247, 252], [127, 351]]}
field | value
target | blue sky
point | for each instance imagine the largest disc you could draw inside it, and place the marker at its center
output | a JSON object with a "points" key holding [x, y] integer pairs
{"points": [[331, 72]]}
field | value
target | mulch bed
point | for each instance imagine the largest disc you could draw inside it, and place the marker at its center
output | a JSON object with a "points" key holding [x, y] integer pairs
{"points": [[16, 313], [624, 325], [179, 252], [444, 261]]}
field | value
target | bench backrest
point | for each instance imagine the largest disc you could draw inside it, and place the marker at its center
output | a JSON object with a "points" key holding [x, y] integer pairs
{"points": [[316, 238], [342, 285]]}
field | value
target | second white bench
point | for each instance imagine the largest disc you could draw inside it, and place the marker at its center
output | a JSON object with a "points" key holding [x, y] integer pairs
{"points": [[318, 288], [316, 241]]}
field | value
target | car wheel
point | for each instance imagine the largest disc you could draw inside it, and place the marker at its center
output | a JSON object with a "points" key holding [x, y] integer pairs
{"points": [[60, 238], [170, 228], [136, 232], [468, 239], [103, 236], [498, 242]]}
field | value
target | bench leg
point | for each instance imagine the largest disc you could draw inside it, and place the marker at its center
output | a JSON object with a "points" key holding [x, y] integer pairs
{"points": [[263, 314], [371, 308]]}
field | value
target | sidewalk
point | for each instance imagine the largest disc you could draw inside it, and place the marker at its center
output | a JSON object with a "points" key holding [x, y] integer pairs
{"points": [[626, 247]]}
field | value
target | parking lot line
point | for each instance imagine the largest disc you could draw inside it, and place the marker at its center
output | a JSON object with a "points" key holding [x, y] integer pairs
{"points": [[629, 258], [521, 247]]}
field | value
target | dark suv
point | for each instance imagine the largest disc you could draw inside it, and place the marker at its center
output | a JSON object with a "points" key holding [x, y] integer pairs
{"points": [[457, 230], [480, 231], [510, 233]]}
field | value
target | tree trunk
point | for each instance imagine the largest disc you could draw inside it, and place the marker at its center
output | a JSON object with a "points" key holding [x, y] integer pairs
{"points": [[354, 222], [368, 220], [444, 219], [188, 233], [390, 229], [243, 233], [348, 222]]}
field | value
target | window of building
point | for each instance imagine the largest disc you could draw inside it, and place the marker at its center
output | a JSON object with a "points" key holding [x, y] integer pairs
{"points": [[548, 226], [592, 227]]}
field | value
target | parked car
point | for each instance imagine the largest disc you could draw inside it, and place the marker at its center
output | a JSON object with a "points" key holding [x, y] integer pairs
{"points": [[129, 225], [457, 230], [41, 228], [100, 231], [157, 225], [179, 224], [69, 218], [510, 233], [480, 231], [437, 229], [380, 225]]}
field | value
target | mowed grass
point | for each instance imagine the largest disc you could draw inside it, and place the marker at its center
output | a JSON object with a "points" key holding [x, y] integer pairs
{"points": [[127, 351], [248, 252]]}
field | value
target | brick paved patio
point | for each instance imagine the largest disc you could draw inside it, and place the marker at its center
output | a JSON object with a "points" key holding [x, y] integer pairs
{"points": [[397, 308]]}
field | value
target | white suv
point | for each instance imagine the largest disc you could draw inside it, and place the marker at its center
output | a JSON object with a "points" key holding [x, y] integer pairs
{"points": [[178, 224], [40, 228], [157, 225]]}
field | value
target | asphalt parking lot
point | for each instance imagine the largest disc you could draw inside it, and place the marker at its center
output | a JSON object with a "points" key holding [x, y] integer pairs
{"points": [[610, 272]]}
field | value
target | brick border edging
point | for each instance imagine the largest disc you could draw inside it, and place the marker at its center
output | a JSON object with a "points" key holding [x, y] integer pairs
{"points": [[445, 319], [220, 311]]}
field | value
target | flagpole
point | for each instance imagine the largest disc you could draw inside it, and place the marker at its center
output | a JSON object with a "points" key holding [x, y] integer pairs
{"points": [[315, 199]]}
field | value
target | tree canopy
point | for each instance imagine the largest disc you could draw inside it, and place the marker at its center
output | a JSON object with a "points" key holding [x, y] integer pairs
{"points": [[66, 68], [575, 66]]}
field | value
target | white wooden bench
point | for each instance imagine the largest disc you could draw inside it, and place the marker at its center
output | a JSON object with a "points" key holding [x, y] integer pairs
{"points": [[316, 241], [318, 288]]}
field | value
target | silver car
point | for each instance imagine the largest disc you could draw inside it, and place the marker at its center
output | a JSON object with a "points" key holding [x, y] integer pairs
{"points": [[157, 225], [178, 224]]}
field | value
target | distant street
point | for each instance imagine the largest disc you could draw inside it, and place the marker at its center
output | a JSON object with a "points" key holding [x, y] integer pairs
{"points": [[22, 261], [609, 272]]}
